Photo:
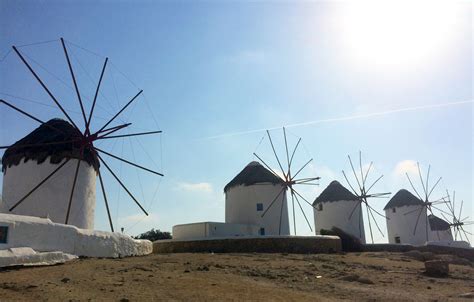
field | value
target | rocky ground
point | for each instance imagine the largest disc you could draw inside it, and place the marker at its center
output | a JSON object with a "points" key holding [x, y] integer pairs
{"points": [[270, 277]]}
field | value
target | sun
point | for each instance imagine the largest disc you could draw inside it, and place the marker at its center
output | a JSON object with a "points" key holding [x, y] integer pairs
{"points": [[396, 33]]}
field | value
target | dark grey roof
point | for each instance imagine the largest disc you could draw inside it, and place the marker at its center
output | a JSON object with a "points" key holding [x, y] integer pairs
{"points": [[253, 173], [335, 192], [437, 224], [46, 141], [403, 198]]}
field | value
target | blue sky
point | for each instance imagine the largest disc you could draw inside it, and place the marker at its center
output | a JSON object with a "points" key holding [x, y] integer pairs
{"points": [[214, 69]]}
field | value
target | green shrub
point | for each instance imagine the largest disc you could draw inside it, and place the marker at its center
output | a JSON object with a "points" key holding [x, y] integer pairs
{"points": [[154, 235]]}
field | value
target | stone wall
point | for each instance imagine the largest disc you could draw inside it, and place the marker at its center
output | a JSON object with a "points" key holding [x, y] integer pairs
{"points": [[266, 244]]}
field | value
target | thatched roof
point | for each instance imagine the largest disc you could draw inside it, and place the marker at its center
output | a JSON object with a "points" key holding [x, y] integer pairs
{"points": [[41, 144], [253, 173], [403, 198], [437, 224], [334, 192]]}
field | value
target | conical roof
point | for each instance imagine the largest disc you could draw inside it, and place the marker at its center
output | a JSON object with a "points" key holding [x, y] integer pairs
{"points": [[56, 139], [403, 198], [334, 192], [253, 173], [437, 224]]}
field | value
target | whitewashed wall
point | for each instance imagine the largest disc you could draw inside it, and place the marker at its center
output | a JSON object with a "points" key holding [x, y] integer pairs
{"points": [[52, 198], [241, 207], [43, 235], [444, 236], [336, 214], [213, 229], [401, 225]]}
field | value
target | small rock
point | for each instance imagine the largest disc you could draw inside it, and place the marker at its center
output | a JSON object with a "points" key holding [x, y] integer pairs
{"points": [[203, 268], [186, 271], [365, 280], [124, 300], [350, 278], [437, 268], [467, 295], [65, 280]]}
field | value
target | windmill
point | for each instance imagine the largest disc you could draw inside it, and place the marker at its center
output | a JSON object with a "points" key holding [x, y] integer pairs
{"points": [[82, 140], [457, 223], [363, 195], [428, 203], [289, 180]]}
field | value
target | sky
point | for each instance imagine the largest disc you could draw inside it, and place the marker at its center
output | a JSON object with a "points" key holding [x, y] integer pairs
{"points": [[390, 79]]}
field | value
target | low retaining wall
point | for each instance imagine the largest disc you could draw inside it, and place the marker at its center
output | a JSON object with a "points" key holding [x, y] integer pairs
{"points": [[467, 253], [43, 235], [261, 244]]}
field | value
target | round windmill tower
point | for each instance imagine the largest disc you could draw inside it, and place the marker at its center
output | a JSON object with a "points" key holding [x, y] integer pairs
{"points": [[401, 226], [257, 195], [419, 215], [363, 193], [333, 207], [250, 193], [26, 163], [440, 230]]}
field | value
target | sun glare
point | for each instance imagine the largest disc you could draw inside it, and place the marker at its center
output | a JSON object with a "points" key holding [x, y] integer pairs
{"points": [[397, 33]]}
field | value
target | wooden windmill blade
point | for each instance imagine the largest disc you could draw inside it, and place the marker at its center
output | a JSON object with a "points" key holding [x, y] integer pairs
{"points": [[364, 194], [456, 222], [84, 140], [289, 180]]}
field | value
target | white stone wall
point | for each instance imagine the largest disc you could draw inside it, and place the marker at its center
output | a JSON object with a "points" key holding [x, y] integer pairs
{"points": [[403, 226], [52, 198], [43, 235], [213, 229], [336, 214], [241, 207]]}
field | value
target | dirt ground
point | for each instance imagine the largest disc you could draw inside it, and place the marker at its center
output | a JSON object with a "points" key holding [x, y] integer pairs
{"points": [[260, 277]]}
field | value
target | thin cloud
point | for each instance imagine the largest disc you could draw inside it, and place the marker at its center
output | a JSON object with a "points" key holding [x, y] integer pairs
{"points": [[204, 187], [344, 118]]}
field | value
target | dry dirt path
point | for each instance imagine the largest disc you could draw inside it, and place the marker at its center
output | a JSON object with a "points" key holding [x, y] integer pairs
{"points": [[237, 277]]}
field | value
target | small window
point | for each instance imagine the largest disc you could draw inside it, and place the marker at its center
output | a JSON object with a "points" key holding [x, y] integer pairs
{"points": [[259, 207], [320, 207], [262, 231], [397, 239], [3, 234], [394, 210]]}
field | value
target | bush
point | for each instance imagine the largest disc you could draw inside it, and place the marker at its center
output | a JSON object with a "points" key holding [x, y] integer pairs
{"points": [[154, 235]]}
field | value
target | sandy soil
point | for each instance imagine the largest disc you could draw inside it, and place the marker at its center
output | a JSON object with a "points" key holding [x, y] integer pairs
{"points": [[269, 277]]}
